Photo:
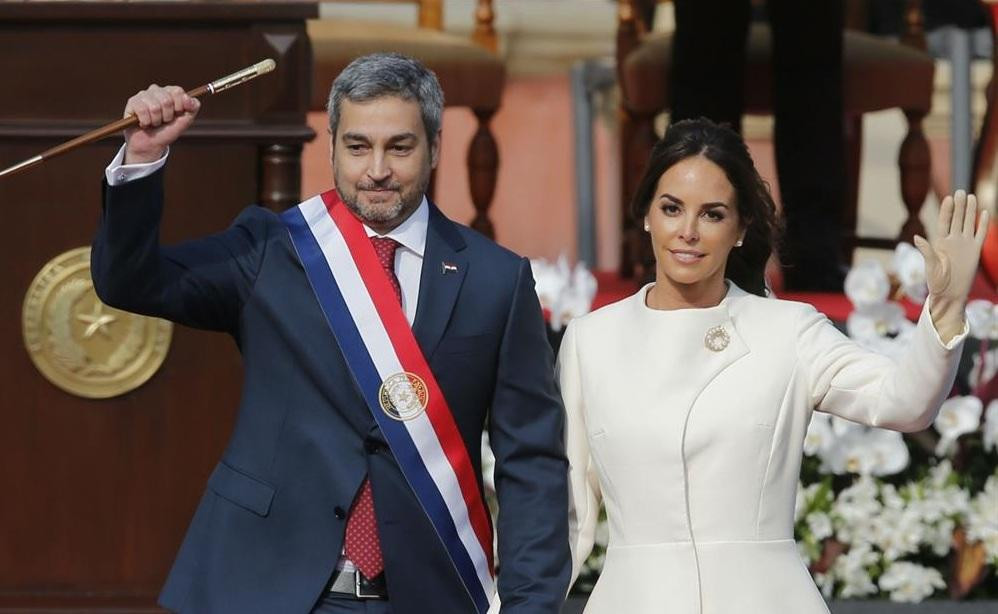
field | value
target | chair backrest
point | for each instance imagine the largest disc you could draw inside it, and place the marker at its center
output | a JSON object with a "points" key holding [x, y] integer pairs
{"points": [[431, 16], [631, 23]]}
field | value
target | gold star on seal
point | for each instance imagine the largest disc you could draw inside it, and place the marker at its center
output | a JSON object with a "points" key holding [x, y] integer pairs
{"points": [[97, 321]]}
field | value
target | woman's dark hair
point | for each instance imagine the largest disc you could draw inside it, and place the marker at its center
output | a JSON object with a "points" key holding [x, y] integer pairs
{"points": [[756, 210]]}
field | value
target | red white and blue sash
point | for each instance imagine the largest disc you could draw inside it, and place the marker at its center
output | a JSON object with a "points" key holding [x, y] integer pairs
{"points": [[387, 364]]}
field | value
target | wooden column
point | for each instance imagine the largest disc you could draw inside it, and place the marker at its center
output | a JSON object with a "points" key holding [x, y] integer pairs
{"points": [[915, 163], [483, 168], [280, 176]]}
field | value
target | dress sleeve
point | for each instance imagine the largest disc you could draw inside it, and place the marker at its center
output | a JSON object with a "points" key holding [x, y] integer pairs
{"points": [[584, 492], [860, 385]]}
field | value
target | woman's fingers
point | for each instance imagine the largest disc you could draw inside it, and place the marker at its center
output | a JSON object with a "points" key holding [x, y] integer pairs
{"points": [[970, 217], [945, 215], [959, 209], [927, 252]]}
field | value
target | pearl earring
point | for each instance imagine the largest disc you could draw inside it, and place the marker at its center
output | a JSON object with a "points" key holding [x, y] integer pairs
{"points": [[738, 243], [647, 227]]}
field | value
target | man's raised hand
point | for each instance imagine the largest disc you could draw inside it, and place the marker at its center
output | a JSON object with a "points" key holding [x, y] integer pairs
{"points": [[164, 113]]}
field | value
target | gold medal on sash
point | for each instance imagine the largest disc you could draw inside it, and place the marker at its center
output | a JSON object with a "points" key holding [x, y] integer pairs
{"points": [[403, 396]]}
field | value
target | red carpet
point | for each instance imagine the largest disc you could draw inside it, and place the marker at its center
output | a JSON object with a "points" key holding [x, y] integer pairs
{"points": [[836, 306]]}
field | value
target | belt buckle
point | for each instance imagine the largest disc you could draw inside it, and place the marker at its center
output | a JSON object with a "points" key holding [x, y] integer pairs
{"points": [[358, 592]]}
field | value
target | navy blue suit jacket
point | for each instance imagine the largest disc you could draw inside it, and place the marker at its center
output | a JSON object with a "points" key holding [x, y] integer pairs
{"points": [[269, 529]]}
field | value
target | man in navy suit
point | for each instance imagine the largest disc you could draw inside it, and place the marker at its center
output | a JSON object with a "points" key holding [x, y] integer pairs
{"points": [[308, 509]]}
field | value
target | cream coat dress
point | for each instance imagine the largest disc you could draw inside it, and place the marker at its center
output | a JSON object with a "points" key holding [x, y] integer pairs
{"points": [[696, 451]]}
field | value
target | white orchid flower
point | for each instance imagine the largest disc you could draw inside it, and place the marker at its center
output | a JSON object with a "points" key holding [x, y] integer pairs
{"points": [[804, 496], [890, 452], [939, 537], [563, 268], [570, 305], [548, 282], [867, 451], [576, 298], [851, 453], [565, 292], [940, 475], [957, 416], [897, 532], [982, 318], [882, 328], [909, 582], [982, 518], [878, 320], [867, 285], [825, 582], [909, 265], [820, 525], [834, 453], [852, 569], [853, 511], [820, 436], [976, 375], [841, 426], [991, 426]]}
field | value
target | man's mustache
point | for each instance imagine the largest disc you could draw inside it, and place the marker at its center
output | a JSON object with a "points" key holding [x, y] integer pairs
{"points": [[379, 186]]}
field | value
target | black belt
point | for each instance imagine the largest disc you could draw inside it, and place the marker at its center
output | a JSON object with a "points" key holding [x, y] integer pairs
{"points": [[354, 583]]}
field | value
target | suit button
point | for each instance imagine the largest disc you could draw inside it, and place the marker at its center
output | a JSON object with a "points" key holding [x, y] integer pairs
{"points": [[373, 447], [340, 513]]}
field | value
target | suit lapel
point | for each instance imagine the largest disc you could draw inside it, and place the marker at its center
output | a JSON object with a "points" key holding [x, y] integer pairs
{"points": [[444, 268]]}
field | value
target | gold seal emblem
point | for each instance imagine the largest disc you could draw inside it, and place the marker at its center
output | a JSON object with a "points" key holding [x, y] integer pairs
{"points": [[80, 344], [403, 396], [717, 339]]}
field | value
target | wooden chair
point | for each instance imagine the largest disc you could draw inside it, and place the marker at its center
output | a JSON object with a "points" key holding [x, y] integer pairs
{"points": [[877, 74], [470, 73]]}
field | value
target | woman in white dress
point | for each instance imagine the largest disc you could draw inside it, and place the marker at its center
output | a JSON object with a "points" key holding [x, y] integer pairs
{"points": [[688, 402]]}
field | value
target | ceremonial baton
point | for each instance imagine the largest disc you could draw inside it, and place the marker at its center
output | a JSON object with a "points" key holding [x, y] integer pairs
{"points": [[216, 86]]}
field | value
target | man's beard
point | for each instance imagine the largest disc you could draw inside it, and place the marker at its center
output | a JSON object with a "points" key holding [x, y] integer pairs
{"points": [[382, 213]]}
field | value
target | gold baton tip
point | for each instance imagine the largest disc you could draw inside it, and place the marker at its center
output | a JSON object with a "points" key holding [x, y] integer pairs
{"points": [[265, 66], [242, 76]]}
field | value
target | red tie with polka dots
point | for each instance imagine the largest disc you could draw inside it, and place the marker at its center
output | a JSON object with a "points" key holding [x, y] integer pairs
{"points": [[385, 249], [363, 546]]}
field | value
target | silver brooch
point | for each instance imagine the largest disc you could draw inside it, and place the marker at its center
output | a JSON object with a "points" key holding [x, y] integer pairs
{"points": [[717, 339]]}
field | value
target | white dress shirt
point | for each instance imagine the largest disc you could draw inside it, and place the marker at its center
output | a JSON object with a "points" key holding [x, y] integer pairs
{"points": [[411, 234]]}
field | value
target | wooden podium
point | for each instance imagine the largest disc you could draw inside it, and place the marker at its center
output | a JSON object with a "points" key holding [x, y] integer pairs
{"points": [[97, 493]]}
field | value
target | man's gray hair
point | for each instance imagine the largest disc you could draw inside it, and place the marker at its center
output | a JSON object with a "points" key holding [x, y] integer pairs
{"points": [[388, 74]]}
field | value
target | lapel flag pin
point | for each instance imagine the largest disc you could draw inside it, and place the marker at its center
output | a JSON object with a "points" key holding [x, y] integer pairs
{"points": [[448, 267]]}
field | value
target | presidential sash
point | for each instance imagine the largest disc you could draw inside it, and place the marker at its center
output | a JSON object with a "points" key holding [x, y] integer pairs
{"points": [[395, 380]]}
